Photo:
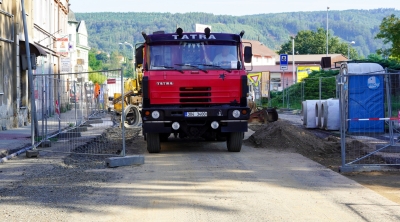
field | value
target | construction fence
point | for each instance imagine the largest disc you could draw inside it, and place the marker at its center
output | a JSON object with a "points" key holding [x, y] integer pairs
{"points": [[290, 96], [75, 115], [370, 120]]}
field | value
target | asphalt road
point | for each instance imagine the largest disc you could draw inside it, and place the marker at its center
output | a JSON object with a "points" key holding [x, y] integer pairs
{"points": [[195, 181]]}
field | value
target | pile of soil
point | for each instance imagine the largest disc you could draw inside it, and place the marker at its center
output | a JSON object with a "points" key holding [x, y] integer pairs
{"points": [[318, 145]]}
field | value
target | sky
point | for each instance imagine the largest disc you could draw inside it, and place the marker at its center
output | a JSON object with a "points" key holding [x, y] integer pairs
{"points": [[227, 7]]}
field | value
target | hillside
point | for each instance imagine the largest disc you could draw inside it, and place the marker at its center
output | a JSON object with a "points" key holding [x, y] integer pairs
{"points": [[107, 29]]}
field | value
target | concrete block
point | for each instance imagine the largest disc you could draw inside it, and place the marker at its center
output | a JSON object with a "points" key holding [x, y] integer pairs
{"points": [[46, 143], [82, 128], [94, 118], [94, 121], [32, 153], [69, 135], [125, 161], [388, 148], [79, 129]]}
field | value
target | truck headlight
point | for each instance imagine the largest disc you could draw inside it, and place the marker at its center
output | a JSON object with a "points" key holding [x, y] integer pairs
{"points": [[236, 113], [175, 125], [155, 114], [214, 125]]}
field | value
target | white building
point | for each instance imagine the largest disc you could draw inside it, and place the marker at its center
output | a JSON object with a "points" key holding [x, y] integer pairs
{"points": [[79, 48], [50, 23], [44, 20]]}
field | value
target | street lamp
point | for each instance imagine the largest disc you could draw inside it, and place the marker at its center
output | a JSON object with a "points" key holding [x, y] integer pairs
{"points": [[133, 55], [133, 49], [327, 8], [348, 48]]}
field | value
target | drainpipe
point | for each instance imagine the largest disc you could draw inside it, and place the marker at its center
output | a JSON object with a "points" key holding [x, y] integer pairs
{"points": [[30, 76]]}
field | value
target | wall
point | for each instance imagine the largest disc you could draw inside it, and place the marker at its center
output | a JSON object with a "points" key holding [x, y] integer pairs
{"points": [[6, 63]]}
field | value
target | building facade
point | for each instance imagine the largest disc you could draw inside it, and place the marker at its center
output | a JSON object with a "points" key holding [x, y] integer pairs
{"points": [[44, 20], [50, 25], [79, 46]]}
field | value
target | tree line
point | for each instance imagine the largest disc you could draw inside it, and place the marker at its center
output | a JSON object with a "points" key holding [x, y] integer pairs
{"points": [[107, 29]]}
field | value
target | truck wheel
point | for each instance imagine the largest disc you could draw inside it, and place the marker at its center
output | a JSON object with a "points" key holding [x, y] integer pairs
{"points": [[132, 116], [153, 142], [234, 141]]}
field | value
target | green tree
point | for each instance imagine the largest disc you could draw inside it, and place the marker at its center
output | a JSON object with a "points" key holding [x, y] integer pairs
{"points": [[390, 33], [102, 57], [311, 42], [94, 64], [97, 77]]}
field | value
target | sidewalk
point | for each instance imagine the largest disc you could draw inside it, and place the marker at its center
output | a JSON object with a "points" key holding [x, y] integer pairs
{"points": [[15, 139], [12, 140]]}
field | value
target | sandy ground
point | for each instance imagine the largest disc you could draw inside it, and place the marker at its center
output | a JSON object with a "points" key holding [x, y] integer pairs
{"points": [[322, 147], [271, 179]]}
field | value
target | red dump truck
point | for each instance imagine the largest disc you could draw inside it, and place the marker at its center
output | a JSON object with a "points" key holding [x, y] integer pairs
{"points": [[194, 86]]}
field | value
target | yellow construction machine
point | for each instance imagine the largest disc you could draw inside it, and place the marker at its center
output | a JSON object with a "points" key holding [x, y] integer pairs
{"points": [[132, 99]]}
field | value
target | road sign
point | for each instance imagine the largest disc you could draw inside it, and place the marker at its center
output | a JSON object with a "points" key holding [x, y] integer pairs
{"points": [[65, 64], [284, 61], [254, 78], [111, 81]]}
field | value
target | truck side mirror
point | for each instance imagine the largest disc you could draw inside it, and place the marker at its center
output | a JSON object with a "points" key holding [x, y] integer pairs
{"points": [[248, 54], [139, 55]]}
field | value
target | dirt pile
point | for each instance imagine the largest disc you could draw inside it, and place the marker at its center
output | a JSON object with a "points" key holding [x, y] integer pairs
{"points": [[283, 135]]}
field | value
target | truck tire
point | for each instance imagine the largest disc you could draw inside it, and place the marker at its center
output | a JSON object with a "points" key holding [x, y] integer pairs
{"points": [[153, 142], [234, 141], [132, 116]]}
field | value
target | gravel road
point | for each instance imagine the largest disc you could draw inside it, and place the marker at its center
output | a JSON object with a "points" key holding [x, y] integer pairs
{"points": [[187, 181]]}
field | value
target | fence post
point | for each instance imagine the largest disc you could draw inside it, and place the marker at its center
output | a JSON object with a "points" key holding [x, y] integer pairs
{"points": [[283, 92], [123, 153], [342, 118], [320, 86], [81, 100], [43, 92], [389, 107], [76, 111], [269, 93], [287, 93], [59, 102], [47, 114]]}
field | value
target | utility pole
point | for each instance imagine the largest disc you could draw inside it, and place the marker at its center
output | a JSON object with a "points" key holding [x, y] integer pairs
{"points": [[327, 32]]}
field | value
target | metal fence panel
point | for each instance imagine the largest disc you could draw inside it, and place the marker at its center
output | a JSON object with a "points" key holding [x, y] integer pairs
{"points": [[292, 95], [76, 116], [370, 120]]}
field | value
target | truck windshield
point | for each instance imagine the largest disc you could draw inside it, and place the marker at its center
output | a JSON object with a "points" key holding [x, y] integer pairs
{"points": [[194, 56]]}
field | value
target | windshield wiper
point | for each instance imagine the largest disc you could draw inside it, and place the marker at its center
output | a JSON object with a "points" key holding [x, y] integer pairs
{"points": [[197, 67], [170, 67], [228, 70]]}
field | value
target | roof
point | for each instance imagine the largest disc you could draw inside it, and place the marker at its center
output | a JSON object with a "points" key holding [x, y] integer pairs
{"points": [[260, 49], [71, 16]]}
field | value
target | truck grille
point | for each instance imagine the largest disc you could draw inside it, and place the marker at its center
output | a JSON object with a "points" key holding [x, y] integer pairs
{"points": [[195, 94]]}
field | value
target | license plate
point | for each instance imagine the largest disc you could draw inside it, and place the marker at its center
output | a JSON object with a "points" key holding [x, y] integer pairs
{"points": [[195, 114]]}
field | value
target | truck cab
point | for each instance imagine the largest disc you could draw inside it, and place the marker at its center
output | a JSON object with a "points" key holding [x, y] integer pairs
{"points": [[194, 86]]}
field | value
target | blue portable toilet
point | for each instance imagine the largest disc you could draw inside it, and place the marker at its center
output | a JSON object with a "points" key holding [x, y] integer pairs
{"points": [[366, 97]]}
